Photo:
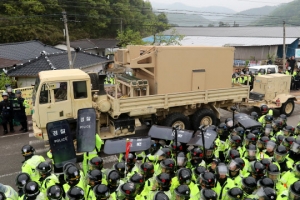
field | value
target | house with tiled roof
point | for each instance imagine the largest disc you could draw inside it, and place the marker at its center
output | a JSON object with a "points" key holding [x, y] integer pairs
{"points": [[26, 73], [13, 54]]}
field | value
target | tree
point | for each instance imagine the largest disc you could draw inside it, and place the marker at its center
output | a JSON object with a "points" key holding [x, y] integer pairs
{"points": [[129, 37], [173, 39], [4, 79], [211, 25]]}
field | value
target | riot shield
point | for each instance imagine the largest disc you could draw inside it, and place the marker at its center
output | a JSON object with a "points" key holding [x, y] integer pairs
{"points": [[117, 146], [166, 133], [86, 130], [246, 121], [209, 136], [61, 143]]}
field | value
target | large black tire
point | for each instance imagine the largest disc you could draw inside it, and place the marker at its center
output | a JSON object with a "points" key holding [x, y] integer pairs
{"points": [[94, 81], [177, 119], [288, 107], [203, 116]]}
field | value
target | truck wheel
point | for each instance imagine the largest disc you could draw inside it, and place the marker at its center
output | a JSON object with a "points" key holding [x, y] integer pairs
{"points": [[94, 81], [203, 117], [288, 107], [177, 119]]}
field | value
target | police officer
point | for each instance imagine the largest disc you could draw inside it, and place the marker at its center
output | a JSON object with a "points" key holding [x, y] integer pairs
{"points": [[184, 177], [2, 196], [223, 182], [31, 162], [75, 193], [280, 158], [293, 193], [291, 176], [6, 111], [19, 106], [196, 158], [101, 192], [249, 185], [257, 170], [47, 178], [266, 193], [113, 182], [120, 168], [235, 169], [73, 178], [32, 191], [160, 196], [294, 153], [21, 180], [131, 166], [234, 193], [94, 178], [163, 184], [274, 174], [127, 191], [182, 192], [139, 182], [55, 192], [8, 191], [208, 194], [11, 95]]}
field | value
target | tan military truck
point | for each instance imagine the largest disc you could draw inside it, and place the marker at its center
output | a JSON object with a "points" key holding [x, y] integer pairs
{"points": [[272, 90], [170, 86]]}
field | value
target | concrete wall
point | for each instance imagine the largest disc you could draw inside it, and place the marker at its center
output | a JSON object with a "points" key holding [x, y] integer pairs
{"points": [[25, 81], [259, 52]]}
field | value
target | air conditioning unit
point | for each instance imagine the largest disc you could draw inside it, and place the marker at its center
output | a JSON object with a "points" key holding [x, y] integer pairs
{"points": [[121, 56]]}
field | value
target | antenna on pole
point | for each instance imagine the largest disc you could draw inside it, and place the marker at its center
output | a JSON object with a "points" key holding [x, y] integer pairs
{"points": [[284, 55], [67, 39]]}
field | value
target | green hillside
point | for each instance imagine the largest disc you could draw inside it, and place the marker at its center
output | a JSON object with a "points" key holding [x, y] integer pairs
{"points": [[187, 19], [285, 12]]}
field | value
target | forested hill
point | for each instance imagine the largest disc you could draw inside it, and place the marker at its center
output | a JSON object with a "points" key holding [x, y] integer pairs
{"points": [[23, 20], [288, 12]]}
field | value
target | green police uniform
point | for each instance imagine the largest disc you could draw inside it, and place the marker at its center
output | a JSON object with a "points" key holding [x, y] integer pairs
{"points": [[82, 183], [90, 155], [221, 190], [175, 184], [48, 182], [29, 167], [283, 196], [152, 194], [40, 196], [288, 179], [10, 193]]}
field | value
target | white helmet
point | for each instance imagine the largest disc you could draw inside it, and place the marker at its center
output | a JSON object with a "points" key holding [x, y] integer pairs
{"points": [[4, 94]]}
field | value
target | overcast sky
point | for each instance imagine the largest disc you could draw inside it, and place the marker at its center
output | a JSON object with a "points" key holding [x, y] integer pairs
{"points": [[237, 5]]}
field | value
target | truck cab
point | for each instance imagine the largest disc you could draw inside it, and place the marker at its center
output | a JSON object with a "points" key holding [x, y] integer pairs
{"points": [[58, 95]]}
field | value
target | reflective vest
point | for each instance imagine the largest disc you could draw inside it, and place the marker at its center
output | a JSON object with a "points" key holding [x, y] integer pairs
{"points": [[29, 166]]}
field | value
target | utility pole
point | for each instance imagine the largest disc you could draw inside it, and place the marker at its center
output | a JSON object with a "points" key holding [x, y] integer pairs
{"points": [[121, 25], [283, 59], [68, 40]]}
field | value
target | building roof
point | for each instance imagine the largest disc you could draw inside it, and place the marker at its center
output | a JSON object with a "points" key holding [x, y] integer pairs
{"points": [[94, 43], [24, 51], [277, 32], [7, 62], [233, 41], [56, 61]]}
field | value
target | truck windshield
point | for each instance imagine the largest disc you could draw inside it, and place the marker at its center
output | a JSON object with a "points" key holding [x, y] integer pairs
{"points": [[36, 86]]}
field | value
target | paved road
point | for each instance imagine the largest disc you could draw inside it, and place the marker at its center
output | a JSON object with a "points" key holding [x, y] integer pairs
{"points": [[10, 147]]}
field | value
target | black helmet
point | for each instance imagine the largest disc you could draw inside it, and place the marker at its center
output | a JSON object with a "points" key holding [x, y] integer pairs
{"points": [[295, 147], [297, 130], [113, 178], [95, 177], [101, 191], [75, 193], [183, 191], [2, 196], [72, 175], [279, 139], [128, 191], [254, 115], [266, 162], [294, 191], [184, 176], [177, 146], [256, 132], [266, 182], [258, 169], [197, 153], [164, 153], [221, 128], [288, 130], [55, 192], [267, 193], [240, 131], [155, 146], [199, 170], [235, 193], [120, 167], [277, 124], [164, 180], [130, 159], [96, 163], [251, 138], [261, 143], [18, 92], [229, 122], [236, 164], [161, 196], [27, 150], [249, 184], [147, 169], [288, 141], [22, 179], [264, 109], [283, 117], [208, 194], [31, 189], [269, 118], [235, 141], [67, 165], [139, 181], [168, 164], [44, 168], [280, 153], [232, 154], [273, 172], [207, 180]]}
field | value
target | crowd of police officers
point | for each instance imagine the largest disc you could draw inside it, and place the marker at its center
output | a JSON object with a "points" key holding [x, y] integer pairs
{"points": [[260, 164], [12, 109]]}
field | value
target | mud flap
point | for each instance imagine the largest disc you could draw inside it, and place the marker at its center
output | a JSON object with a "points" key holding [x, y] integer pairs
{"points": [[86, 130], [117, 146], [209, 137], [61, 143], [166, 133]]}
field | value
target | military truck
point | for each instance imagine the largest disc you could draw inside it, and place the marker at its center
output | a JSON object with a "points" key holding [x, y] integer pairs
{"points": [[272, 90], [164, 85]]}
